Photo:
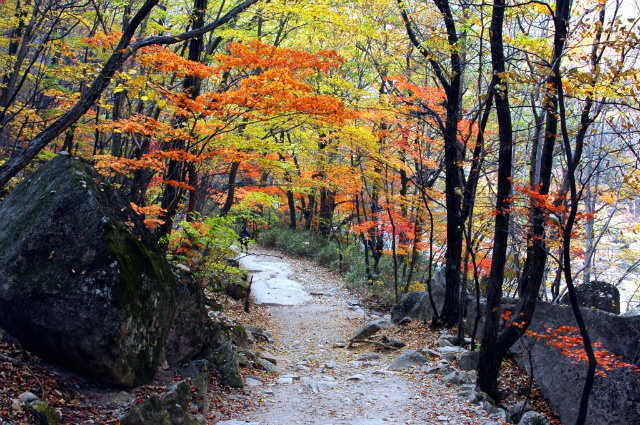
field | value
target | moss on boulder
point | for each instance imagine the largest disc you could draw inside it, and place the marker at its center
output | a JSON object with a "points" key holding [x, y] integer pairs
{"points": [[42, 413], [169, 409], [81, 281]]}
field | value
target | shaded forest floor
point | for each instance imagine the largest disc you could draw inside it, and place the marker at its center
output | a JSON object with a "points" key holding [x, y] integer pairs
{"points": [[317, 383]]}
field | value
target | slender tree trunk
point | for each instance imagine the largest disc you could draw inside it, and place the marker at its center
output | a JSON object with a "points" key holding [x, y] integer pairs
{"points": [[452, 151], [566, 244], [325, 215], [231, 188], [537, 252], [177, 170], [488, 367], [291, 203], [192, 208], [292, 210], [67, 145], [20, 38], [365, 243], [308, 212]]}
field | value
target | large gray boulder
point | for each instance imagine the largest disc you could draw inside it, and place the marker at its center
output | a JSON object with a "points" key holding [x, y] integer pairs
{"points": [[534, 418], [225, 360], [615, 398], [191, 330], [597, 294], [417, 305], [469, 360], [81, 281], [407, 359]]}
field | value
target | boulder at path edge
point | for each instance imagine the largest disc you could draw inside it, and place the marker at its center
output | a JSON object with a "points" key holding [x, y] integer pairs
{"points": [[406, 359], [417, 305], [191, 331], [368, 329], [81, 281]]}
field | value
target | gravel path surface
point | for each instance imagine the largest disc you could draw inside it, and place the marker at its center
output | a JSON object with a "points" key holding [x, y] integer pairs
{"points": [[320, 384]]}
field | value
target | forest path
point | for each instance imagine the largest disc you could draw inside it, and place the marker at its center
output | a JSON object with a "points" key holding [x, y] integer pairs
{"points": [[322, 385]]}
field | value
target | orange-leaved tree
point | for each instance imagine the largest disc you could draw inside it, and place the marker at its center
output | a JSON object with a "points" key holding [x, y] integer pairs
{"points": [[251, 93]]}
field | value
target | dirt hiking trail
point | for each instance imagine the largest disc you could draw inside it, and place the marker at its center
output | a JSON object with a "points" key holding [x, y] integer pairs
{"points": [[321, 384]]}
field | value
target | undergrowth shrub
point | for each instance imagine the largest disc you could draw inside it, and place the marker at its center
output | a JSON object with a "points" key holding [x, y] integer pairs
{"points": [[204, 245], [296, 243], [329, 256]]}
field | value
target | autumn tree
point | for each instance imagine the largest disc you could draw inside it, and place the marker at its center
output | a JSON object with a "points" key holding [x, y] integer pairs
{"points": [[450, 80], [123, 51]]}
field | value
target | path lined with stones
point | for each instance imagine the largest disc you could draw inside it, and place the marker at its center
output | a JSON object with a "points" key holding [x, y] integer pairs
{"points": [[320, 383]]}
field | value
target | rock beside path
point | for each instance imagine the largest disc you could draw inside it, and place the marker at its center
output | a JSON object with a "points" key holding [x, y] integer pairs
{"points": [[82, 283], [407, 359], [42, 413], [368, 329], [533, 418], [170, 408], [469, 360], [417, 305], [224, 359]]}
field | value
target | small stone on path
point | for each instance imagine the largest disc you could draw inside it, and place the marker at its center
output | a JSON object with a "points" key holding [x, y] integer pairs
{"points": [[369, 356], [320, 386], [250, 382], [407, 359], [27, 396], [443, 342], [383, 372]]}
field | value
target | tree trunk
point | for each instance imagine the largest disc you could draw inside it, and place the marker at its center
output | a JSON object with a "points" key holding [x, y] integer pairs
{"points": [[231, 188], [67, 145], [452, 151], [325, 215], [292, 210], [177, 169], [537, 252], [488, 367], [308, 212]]}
